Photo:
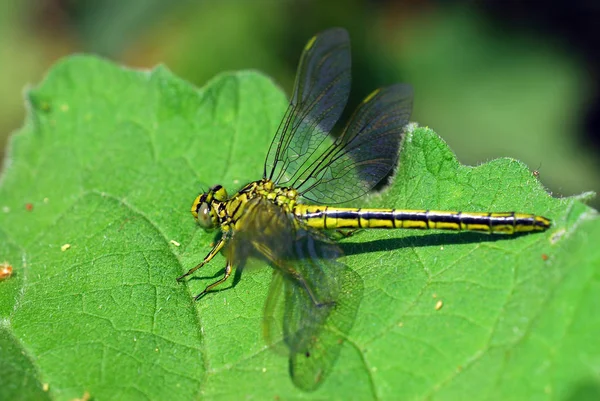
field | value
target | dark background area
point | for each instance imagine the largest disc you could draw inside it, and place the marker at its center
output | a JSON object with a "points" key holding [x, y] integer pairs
{"points": [[493, 78]]}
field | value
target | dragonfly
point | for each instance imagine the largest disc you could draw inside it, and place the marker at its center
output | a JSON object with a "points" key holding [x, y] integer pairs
{"points": [[286, 218]]}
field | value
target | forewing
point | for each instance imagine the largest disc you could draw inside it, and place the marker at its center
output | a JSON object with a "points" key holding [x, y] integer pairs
{"points": [[318, 307], [365, 152], [320, 94], [313, 297], [273, 313]]}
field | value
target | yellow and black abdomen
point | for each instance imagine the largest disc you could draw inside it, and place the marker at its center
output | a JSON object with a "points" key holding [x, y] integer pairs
{"points": [[325, 217]]}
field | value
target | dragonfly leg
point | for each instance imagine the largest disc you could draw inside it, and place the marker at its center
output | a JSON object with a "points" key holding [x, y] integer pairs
{"points": [[213, 252], [300, 280], [345, 233], [228, 269], [294, 275]]}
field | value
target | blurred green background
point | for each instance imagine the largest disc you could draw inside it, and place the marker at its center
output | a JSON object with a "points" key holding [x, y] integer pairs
{"points": [[494, 79]]}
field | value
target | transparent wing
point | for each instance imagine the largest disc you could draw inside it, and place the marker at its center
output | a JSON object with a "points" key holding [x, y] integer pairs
{"points": [[313, 297], [365, 152], [315, 334], [320, 94], [273, 314]]}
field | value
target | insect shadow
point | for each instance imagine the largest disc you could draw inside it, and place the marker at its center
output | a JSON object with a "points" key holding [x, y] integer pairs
{"points": [[419, 241], [355, 248]]}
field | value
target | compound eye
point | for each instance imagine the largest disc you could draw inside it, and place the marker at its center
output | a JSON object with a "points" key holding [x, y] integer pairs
{"points": [[204, 217]]}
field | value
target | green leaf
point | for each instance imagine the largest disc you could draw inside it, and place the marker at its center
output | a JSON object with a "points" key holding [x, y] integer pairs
{"points": [[109, 161]]}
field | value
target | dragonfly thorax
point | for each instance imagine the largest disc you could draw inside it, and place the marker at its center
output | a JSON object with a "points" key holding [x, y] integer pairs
{"points": [[214, 209]]}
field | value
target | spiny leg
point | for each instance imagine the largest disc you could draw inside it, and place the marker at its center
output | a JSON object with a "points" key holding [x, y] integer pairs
{"points": [[300, 280], [346, 232], [286, 269], [228, 269], [213, 252]]}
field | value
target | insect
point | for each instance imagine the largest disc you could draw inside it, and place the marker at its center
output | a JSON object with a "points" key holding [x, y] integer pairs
{"points": [[283, 217], [536, 172]]}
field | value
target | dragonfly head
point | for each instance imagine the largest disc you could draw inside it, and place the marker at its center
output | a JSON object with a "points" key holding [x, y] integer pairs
{"points": [[204, 208]]}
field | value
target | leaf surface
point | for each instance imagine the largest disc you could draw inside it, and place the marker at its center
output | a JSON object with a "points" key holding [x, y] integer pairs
{"points": [[95, 220]]}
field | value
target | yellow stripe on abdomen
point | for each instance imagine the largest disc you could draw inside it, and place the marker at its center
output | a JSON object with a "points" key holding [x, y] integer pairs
{"points": [[324, 217]]}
